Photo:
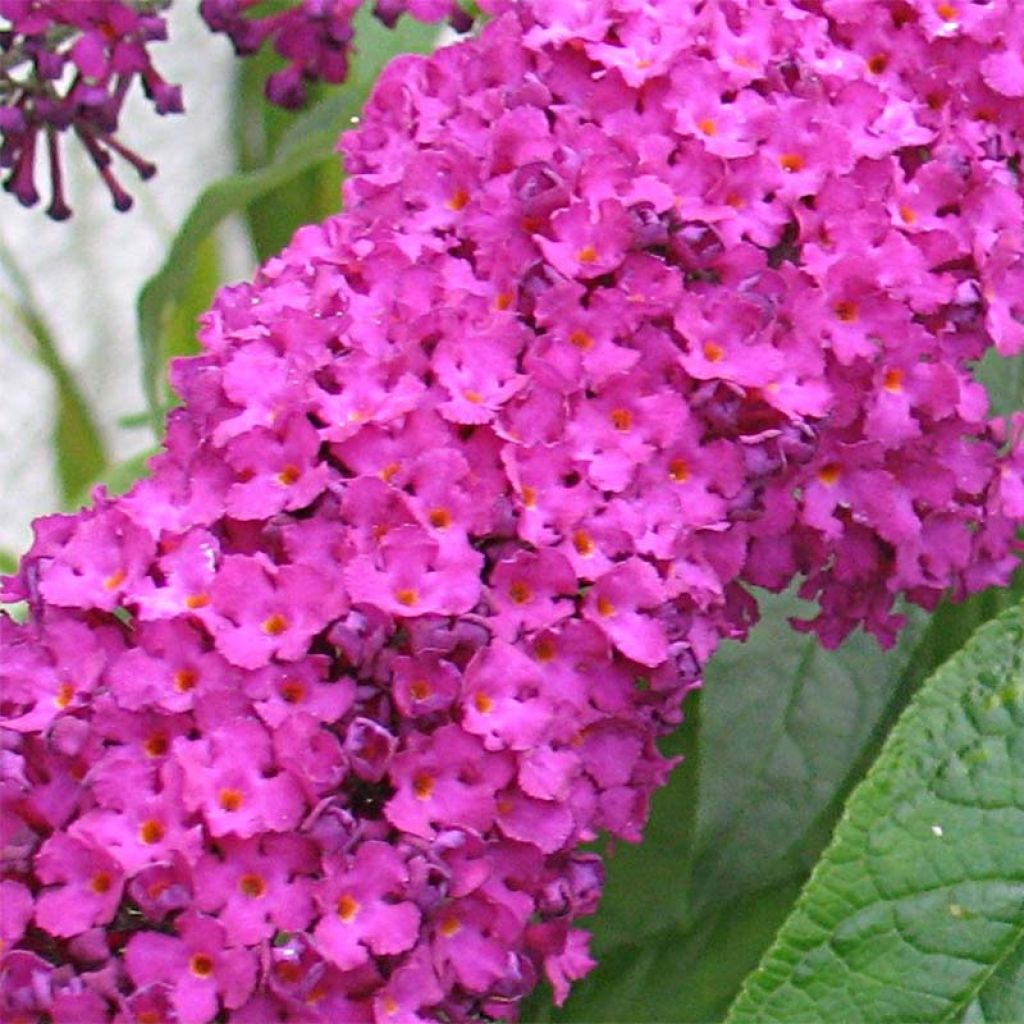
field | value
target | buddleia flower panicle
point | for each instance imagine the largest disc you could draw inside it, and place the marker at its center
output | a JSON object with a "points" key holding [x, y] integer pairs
{"points": [[635, 306]]}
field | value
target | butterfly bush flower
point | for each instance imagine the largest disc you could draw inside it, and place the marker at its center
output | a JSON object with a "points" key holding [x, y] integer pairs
{"points": [[67, 66], [635, 306]]}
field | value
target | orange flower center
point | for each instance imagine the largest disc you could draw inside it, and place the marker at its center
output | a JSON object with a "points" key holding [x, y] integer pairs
{"points": [[440, 518], [713, 352], [292, 691], [157, 745], [274, 625], [423, 785], [115, 579], [201, 965], [893, 381], [230, 800], [252, 885], [679, 471], [830, 473], [545, 649], [100, 882], [459, 199], [348, 908], [583, 543], [622, 419], [185, 679], [846, 311], [151, 831]]}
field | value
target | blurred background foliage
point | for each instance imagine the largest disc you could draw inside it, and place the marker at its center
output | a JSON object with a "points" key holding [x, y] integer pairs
{"points": [[773, 744]]}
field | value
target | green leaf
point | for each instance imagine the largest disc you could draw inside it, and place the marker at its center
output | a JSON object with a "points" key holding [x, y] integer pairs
{"points": [[8, 562], [78, 448], [310, 195], [781, 733], [917, 908], [1003, 377], [179, 336], [1002, 998], [675, 975], [784, 722]]}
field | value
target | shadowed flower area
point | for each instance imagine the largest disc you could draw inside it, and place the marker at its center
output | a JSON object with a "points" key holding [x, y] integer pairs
{"points": [[634, 306]]}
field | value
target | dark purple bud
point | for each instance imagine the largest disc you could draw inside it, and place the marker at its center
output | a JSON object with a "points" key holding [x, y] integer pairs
{"points": [[650, 229], [370, 748], [540, 190]]}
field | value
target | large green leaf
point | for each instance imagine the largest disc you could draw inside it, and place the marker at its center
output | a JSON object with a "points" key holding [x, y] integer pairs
{"points": [[784, 723], [916, 911]]}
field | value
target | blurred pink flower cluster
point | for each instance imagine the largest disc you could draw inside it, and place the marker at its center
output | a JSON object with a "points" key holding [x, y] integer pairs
{"points": [[67, 65], [634, 306], [314, 36]]}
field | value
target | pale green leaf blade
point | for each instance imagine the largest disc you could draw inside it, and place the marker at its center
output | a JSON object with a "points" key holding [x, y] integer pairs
{"points": [[78, 449], [916, 909]]}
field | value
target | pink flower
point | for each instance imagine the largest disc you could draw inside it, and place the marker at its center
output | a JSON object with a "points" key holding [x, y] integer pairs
{"points": [[15, 911], [88, 889], [531, 592], [616, 604], [410, 576], [446, 779], [362, 908], [231, 778], [258, 887], [258, 610], [197, 965]]}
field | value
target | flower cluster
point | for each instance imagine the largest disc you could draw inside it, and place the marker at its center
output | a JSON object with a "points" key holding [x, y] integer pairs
{"points": [[67, 65], [636, 304], [314, 36]]}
